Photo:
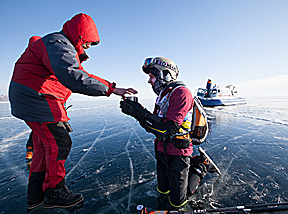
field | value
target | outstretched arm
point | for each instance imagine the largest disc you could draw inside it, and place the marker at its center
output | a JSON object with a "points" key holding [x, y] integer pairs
{"points": [[123, 91]]}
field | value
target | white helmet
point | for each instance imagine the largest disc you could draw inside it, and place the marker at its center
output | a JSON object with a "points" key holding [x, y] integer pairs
{"points": [[164, 65], [163, 69]]}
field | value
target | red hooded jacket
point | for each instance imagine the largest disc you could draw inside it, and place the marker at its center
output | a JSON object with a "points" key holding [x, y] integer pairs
{"points": [[50, 70]]}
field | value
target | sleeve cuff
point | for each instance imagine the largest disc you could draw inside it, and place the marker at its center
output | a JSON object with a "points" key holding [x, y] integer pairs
{"points": [[112, 87]]}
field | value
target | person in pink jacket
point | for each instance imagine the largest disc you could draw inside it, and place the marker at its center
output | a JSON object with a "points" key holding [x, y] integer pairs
{"points": [[178, 172]]}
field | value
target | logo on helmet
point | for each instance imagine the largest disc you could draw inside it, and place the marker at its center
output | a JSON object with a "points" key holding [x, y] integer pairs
{"points": [[165, 64]]}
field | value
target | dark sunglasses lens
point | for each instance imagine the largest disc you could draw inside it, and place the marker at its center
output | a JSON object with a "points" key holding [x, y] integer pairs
{"points": [[95, 43]]}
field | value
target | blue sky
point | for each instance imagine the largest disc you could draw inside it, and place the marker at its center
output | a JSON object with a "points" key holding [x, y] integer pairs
{"points": [[241, 42]]}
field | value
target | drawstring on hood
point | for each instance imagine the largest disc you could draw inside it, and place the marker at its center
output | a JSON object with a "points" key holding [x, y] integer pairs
{"points": [[81, 29]]}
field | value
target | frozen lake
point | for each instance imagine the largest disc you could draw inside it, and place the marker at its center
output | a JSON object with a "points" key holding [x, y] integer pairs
{"points": [[112, 158]]}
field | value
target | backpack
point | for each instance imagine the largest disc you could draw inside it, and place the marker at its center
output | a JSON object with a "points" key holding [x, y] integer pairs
{"points": [[199, 123]]}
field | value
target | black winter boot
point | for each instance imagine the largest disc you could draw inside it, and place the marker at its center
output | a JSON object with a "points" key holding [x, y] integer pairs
{"points": [[35, 193], [33, 204], [61, 197]]}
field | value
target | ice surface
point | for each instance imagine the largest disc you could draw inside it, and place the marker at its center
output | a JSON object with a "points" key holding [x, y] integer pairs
{"points": [[112, 158]]}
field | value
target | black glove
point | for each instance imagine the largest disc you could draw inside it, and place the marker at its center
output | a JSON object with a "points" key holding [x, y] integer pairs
{"points": [[134, 109], [171, 127], [130, 107]]}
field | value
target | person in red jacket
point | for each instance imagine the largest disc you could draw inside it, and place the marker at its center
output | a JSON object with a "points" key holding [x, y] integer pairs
{"points": [[178, 173], [44, 77]]}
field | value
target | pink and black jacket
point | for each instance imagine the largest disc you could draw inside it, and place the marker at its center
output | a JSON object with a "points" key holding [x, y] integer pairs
{"points": [[50, 70], [180, 103]]}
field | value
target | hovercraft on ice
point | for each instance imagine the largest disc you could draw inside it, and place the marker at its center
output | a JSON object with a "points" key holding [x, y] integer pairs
{"points": [[219, 96]]}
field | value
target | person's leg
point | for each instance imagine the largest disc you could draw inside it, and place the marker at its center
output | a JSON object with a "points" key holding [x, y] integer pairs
{"points": [[178, 181], [162, 178], [211, 166], [194, 177], [29, 148], [35, 193], [200, 166], [57, 143]]}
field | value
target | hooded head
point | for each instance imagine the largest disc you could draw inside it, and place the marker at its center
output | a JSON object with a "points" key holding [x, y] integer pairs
{"points": [[81, 29]]}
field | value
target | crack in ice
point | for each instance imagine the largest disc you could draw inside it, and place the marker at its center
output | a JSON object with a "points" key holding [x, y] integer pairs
{"points": [[132, 172], [89, 149]]}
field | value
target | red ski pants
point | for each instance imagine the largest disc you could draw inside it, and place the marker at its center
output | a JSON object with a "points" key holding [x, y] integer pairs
{"points": [[52, 144]]}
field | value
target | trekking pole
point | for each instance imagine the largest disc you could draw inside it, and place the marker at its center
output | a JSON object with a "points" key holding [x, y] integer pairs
{"points": [[266, 207], [246, 209]]}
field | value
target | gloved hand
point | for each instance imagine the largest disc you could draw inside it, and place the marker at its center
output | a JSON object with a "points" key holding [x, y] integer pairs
{"points": [[134, 109], [130, 107], [171, 127]]}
